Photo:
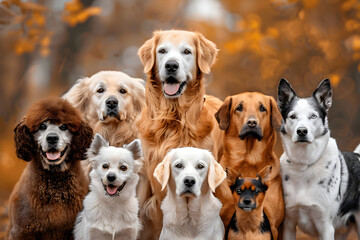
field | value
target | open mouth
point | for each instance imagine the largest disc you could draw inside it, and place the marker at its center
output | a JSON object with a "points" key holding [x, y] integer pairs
{"points": [[113, 190], [172, 89], [251, 133], [53, 155]]}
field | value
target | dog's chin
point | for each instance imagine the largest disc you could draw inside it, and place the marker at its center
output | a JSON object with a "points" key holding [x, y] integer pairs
{"points": [[251, 133], [188, 193], [113, 190], [110, 116], [173, 87], [246, 208]]}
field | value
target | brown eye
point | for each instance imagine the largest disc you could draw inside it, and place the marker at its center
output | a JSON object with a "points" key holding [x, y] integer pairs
{"points": [[179, 165], [42, 126], [162, 50], [105, 166], [200, 166], [100, 90], [123, 168], [238, 191], [262, 108], [239, 108], [187, 51], [63, 127], [122, 91], [293, 116]]}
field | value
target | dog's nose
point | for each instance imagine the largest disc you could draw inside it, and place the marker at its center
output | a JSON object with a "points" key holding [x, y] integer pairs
{"points": [[112, 103], [111, 177], [189, 181], [171, 66], [52, 138], [251, 122], [247, 201], [302, 131]]}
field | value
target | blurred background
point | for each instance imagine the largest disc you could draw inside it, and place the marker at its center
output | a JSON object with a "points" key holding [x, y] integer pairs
{"points": [[45, 46]]}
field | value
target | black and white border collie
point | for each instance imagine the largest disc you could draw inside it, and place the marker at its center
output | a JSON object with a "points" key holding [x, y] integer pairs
{"points": [[321, 184]]}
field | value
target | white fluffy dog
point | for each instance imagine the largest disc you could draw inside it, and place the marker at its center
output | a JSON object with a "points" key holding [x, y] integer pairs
{"points": [[190, 209], [111, 207]]}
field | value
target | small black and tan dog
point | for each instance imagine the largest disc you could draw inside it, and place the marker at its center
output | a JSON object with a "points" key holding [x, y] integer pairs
{"points": [[249, 220]]}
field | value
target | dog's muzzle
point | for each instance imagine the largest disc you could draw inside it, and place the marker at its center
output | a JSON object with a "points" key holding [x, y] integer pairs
{"points": [[247, 205], [302, 135], [112, 190], [251, 132], [112, 107]]}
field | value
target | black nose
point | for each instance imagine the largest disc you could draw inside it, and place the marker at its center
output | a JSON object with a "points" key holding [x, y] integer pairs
{"points": [[251, 122], [112, 103], [52, 138], [302, 131], [171, 66], [111, 177], [189, 181], [247, 201]]}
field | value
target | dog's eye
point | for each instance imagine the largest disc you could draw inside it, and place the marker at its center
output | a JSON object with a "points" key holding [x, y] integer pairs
{"points": [[256, 191], [179, 165], [162, 51], [200, 166], [262, 108], [239, 108], [100, 90], [122, 91], [105, 166], [293, 116], [238, 191], [313, 116], [187, 51], [42, 126], [63, 127], [123, 168]]}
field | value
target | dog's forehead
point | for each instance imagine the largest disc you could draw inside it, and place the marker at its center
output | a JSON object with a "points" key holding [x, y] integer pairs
{"points": [[251, 99], [305, 106], [115, 155], [177, 38], [110, 80], [190, 155]]}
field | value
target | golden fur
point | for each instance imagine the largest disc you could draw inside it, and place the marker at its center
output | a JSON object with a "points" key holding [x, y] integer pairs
{"points": [[247, 157], [177, 122]]}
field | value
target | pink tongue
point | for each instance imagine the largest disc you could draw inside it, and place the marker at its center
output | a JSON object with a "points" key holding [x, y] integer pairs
{"points": [[53, 156], [171, 89], [111, 190]]}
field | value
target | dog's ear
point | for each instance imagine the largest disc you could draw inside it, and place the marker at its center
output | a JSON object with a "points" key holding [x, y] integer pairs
{"points": [[78, 95], [323, 94], [138, 98], [223, 114], [147, 53], [275, 115], [265, 174], [206, 53], [162, 171], [285, 93], [95, 146], [81, 141], [24, 142], [216, 173], [135, 148]]}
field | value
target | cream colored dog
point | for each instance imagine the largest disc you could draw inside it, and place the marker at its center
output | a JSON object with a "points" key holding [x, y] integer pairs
{"points": [[190, 209]]}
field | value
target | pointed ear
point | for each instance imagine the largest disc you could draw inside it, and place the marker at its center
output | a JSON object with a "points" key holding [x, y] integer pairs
{"points": [[206, 53], [78, 95], [135, 148], [24, 142], [162, 171], [276, 117], [147, 53], [223, 114], [265, 174], [216, 173], [323, 94], [96, 145], [285, 93]]}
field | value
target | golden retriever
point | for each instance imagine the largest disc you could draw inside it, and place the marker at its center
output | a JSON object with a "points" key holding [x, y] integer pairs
{"points": [[177, 112], [111, 102], [250, 121]]}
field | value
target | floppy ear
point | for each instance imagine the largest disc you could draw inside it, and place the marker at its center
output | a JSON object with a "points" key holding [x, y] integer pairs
{"points": [[81, 141], [323, 94], [276, 117], [216, 173], [24, 142], [147, 53], [265, 174], [162, 171], [78, 95], [285, 93], [207, 52], [223, 114]]}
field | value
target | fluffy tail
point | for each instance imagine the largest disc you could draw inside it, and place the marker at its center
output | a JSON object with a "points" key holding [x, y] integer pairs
{"points": [[357, 150]]}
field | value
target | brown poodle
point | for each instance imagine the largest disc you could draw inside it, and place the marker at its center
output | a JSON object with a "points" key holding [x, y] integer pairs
{"points": [[53, 138]]}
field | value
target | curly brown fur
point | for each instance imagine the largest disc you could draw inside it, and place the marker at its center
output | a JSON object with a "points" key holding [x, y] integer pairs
{"points": [[44, 203]]}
